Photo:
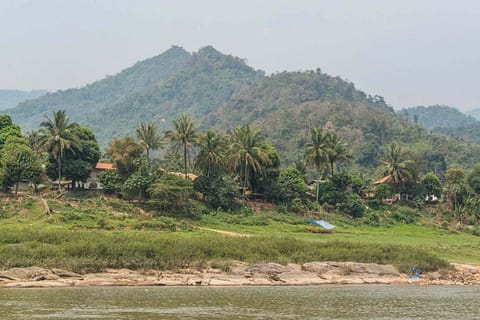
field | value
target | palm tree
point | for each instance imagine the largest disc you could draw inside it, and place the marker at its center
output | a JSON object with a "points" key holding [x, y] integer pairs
{"points": [[396, 166], [149, 138], [212, 152], [337, 150], [248, 154], [316, 151], [33, 138], [184, 134], [56, 136]]}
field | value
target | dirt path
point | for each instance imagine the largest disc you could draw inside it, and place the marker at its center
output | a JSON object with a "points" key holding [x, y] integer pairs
{"points": [[228, 233]]}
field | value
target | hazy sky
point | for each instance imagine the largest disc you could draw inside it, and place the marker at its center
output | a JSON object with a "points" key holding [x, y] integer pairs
{"points": [[412, 52]]}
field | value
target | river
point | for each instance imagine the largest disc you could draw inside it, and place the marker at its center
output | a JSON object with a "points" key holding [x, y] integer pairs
{"points": [[311, 302]]}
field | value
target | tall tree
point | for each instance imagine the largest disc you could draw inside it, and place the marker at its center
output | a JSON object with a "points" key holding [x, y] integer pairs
{"points": [[18, 162], [78, 164], [248, 154], [124, 152], [57, 135], [456, 188], [337, 150], [396, 165], [316, 150], [149, 138], [8, 129], [212, 154], [183, 135]]}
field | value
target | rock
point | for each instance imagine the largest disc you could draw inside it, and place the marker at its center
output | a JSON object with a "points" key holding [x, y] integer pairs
{"points": [[268, 268], [312, 273], [346, 268], [65, 274]]}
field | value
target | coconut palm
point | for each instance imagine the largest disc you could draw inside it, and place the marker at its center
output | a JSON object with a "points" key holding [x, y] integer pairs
{"points": [[149, 138], [337, 150], [56, 136], [211, 155], [316, 150], [183, 135], [396, 165], [248, 154]]}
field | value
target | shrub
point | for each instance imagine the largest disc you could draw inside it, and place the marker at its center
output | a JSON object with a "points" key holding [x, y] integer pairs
{"points": [[405, 215], [291, 186], [352, 205], [220, 190]]}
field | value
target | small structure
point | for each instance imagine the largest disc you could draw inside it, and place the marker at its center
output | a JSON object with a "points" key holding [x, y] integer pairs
{"points": [[190, 176], [321, 223], [93, 181], [386, 179]]}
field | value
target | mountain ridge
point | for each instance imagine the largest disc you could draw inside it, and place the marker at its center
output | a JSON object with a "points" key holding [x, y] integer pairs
{"points": [[10, 98]]}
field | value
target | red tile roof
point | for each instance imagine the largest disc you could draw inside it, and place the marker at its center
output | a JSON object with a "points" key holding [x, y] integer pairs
{"points": [[190, 176], [104, 166]]}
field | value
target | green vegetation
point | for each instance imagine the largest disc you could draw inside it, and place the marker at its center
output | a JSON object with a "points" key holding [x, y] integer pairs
{"points": [[91, 234], [306, 144], [446, 120]]}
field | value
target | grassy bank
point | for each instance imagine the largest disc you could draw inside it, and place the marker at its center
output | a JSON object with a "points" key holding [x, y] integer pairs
{"points": [[93, 250], [97, 234]]}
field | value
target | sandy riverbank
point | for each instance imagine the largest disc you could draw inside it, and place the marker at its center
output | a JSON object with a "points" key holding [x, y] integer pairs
{"points": [[241, 274]]}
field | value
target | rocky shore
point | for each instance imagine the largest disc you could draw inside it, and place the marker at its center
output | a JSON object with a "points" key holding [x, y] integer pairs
{"points": [[241, 274]]}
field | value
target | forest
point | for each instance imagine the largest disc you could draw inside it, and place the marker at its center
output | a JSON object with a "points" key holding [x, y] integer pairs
{"points": [[171, 171]]}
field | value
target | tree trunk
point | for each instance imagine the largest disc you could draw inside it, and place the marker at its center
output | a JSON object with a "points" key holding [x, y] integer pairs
{"points": [[60, 173], [185, 158], [148, 158]]}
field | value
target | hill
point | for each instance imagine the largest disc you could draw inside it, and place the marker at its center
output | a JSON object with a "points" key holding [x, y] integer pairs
{"points": [[83, 102], [220, 91], [446, 120], [287, 104], [474, 113], [210, 79], [10, 98], [158, 89], [438, 117]]}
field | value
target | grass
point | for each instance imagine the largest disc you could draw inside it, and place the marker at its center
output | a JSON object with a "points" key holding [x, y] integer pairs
{"points": [[93, 234]]}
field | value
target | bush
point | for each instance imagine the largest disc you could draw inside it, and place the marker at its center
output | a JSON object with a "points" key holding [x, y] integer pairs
{"points": [[220, 191], [371, 219], [352, 205], [170, 193], [111, 181], [405, 215], [291, 187]]}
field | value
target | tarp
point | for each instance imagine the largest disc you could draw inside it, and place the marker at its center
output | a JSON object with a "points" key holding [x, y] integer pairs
{"points": [[322, 223]]}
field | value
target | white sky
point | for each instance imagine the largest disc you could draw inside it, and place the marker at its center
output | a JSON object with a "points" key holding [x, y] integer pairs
{"points": [[412, 52]]}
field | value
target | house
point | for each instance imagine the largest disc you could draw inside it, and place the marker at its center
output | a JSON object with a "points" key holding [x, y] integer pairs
{"points": [[93, 181], [190, 176]]}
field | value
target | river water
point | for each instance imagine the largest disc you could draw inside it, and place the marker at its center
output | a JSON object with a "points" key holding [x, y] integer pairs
{"points": [[312, 302]]}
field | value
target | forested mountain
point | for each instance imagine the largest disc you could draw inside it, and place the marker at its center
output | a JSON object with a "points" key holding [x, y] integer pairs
{"points": [[438, 117], [158, 89], [287, 104], [221, 92], [474, 113], [10, 98], [86, 101], [209, 80], [445, 120]]}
